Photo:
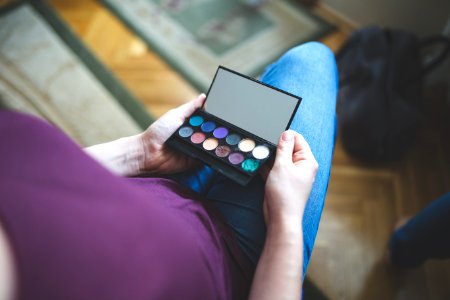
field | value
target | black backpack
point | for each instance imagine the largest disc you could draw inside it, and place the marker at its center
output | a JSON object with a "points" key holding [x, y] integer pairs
{"points": [[380, 95]]}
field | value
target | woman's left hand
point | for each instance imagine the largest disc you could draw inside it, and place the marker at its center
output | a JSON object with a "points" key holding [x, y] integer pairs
{"points": [[158, 157]]}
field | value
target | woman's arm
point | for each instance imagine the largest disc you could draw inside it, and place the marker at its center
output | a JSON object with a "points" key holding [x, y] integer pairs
{"points": [[279, 271], [8, 279], [147, 152], [123, 157]]}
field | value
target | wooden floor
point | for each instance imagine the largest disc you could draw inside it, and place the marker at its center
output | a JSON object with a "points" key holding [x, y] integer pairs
{"points": [[363, 201]]}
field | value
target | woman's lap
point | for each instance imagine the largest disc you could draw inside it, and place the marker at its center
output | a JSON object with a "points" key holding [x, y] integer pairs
{"points": [[308, 71]]}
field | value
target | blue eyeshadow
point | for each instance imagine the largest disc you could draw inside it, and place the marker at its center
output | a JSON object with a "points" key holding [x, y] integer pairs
{"points": [[186, 131], [196, 120], [208, 126]]}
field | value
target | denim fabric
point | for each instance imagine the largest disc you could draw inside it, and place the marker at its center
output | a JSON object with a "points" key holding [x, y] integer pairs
{"points": [[310, 72], [424, 236]]}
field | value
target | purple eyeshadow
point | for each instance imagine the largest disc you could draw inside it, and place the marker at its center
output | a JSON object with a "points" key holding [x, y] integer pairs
{"points": [[236, 158], [220, 132]]}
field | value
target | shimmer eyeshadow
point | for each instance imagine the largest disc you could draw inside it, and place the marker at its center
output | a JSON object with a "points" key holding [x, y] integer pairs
{"points": [[233, 139], [198, 138], [250, 165], [220, 132], [185, 131], [229, 132], [236, 158], [208, 126], [260, 152], [210, 144], [246, 145], [223, 151], [195, 120]]}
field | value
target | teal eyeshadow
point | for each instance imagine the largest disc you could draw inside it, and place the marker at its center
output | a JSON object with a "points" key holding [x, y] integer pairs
{"points": [[196, 120], [250, 165], [233, 139]]}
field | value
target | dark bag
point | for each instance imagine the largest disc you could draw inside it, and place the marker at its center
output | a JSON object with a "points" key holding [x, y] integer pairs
{"points": [[380, 95]]}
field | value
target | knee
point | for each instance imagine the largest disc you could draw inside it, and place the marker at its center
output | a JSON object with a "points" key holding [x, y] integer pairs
{"points": [[311, 51], [404, 252]]}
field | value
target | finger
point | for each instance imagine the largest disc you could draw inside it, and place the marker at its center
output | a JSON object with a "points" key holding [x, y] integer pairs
{"points": [[301, 145], [285, 147], [188, 108]]}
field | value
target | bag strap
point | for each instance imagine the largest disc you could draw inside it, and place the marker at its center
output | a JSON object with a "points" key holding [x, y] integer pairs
{"points": [[426, 42]]}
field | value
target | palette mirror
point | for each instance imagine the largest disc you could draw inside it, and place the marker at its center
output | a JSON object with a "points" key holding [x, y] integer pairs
{"points": [[250, 105]]}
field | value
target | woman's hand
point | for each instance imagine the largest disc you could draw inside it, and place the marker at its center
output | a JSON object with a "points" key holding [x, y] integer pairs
{"points": [[158, 158], [279, 271], [289, 182], [146, 152]]}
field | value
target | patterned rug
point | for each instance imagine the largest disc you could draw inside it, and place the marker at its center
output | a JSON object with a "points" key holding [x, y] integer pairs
{"points": [[197, 36], [46, 71]]}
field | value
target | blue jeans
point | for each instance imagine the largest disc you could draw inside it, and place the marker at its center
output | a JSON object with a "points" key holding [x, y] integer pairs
{"points": [[425, 236], [310, 72]]}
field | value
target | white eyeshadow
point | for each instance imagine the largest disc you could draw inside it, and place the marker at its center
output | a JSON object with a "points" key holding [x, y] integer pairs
{"points": [[261, 152]]}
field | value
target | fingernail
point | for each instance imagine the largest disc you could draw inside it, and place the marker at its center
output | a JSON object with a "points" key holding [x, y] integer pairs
{"points": [[287, 136]]}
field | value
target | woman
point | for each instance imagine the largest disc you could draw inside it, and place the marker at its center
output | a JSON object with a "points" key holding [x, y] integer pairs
{"points": [[71, 229]]}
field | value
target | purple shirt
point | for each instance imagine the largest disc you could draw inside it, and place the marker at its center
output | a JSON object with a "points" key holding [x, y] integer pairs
{"points": [[80, 232]]}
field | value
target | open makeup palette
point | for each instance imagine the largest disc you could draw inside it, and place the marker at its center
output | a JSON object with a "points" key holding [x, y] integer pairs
{"points": [[238, 127]]}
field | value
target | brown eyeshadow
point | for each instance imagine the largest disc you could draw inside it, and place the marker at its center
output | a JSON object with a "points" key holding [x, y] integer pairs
{"points": [[223, 151]]}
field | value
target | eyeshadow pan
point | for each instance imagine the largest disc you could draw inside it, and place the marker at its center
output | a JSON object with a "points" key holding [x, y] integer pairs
{"points": [[250, 165], [246, 145], [223, 151], [208, 126], [185, 131], [236, 158], [210, 144], [195, 120], [260, 152], [220, 132], [197, 138], [233, 139]]}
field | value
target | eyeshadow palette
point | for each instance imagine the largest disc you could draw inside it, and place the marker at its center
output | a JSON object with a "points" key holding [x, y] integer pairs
{"points": [[232, 151], [237, 129]]}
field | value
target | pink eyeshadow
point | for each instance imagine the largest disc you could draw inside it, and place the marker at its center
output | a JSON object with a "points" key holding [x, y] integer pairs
{"points": [[198, 138]]}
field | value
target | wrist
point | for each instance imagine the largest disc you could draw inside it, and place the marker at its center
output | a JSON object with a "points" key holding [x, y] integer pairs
{"points": [[129, 156], [285, 225], [149, 147], [136, 154], [123, 156], [285, 216]]}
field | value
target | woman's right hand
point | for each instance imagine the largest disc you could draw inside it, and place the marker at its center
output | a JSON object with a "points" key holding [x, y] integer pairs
{"points": [[279, 271], [290, 180]]}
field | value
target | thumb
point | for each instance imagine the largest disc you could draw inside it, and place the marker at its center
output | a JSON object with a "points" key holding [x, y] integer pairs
{"points": [[285, 147], [188, 108]]}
